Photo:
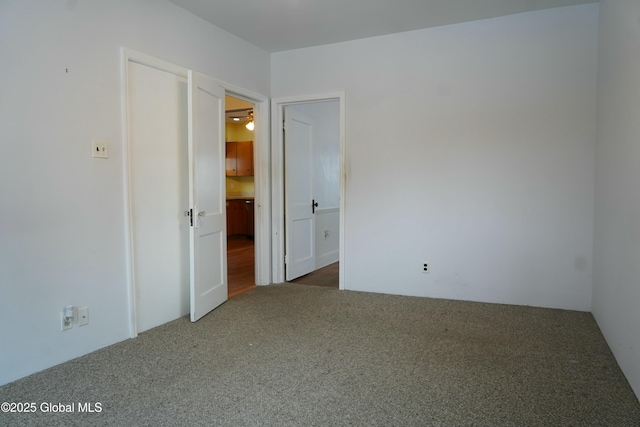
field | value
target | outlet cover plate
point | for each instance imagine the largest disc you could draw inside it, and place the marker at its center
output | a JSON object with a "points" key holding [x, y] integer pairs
{"points": [[83, 316]]}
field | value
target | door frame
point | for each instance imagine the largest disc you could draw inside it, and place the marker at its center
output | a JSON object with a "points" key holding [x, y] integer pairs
{"points": [[261, 172], [277, 179]]}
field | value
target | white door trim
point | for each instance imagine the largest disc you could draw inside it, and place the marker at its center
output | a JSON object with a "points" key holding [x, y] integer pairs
{"points": [[277, 179], [261, 170]]}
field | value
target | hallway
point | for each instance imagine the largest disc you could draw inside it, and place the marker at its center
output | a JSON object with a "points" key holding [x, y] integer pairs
{"points": [[241, 269], [240, 265]]}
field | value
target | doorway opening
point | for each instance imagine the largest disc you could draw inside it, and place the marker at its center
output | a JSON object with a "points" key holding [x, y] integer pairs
{"points": [[308, 189], [240, 195]]}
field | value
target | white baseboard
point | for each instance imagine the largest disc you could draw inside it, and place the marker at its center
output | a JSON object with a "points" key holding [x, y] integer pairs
{"points": [[327, 259]]}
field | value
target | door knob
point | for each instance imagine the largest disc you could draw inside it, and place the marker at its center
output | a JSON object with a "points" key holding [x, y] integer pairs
{"points": [[314, 205]]}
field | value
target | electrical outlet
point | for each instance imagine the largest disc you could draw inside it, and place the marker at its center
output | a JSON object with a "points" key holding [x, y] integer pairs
{"points": [[67, 317], [426, 268]]}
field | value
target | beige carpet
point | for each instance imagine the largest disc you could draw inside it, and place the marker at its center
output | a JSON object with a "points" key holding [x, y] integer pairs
{"points": [[291, 355]]}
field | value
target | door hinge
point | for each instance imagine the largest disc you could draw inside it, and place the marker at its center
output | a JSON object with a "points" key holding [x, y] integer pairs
{"points": [[285, 259]]}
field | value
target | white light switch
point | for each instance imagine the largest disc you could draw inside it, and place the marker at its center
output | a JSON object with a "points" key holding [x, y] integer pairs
{"points": [[100, 149]]}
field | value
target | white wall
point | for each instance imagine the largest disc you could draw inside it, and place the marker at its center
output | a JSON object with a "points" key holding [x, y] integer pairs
{"points": [[326, 177], [62, 229], [470, 146], [616, 291], [327, 237]]}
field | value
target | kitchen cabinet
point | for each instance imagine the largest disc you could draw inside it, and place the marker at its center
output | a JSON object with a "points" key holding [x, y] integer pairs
{"points": [[240, 217], [239, 158]]}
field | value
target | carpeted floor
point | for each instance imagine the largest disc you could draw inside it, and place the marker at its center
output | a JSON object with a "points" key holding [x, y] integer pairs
{"points": [[291, 355]]}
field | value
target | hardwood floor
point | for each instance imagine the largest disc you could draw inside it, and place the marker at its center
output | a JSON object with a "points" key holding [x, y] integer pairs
{"points": [[240, 265], [241, 269], [326, 276]]}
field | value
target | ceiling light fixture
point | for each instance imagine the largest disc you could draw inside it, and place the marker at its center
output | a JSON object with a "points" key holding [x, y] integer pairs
{"points": [[250, 125]]}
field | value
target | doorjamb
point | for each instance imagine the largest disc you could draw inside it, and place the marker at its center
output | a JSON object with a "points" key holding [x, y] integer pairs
{"points": [[261, 170], [277, 179]]}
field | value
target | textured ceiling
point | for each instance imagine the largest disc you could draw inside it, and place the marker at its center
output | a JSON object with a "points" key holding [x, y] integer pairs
{"points": [[277, 25]]}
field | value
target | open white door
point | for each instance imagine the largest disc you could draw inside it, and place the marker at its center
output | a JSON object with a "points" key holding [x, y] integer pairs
{"points": [[299, 204], [208, 240]]}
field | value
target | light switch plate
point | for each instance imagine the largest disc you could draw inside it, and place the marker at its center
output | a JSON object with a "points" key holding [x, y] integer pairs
{"points": [[100, 149]]}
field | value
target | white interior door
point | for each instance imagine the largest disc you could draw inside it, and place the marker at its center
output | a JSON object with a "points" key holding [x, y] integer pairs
{"points": [[299, 209], [208, 240], [158, 182]]}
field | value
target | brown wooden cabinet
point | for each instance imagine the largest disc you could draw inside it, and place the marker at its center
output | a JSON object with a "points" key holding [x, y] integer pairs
{"points": [[240, 217], [236, 218], [239, 158]]}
